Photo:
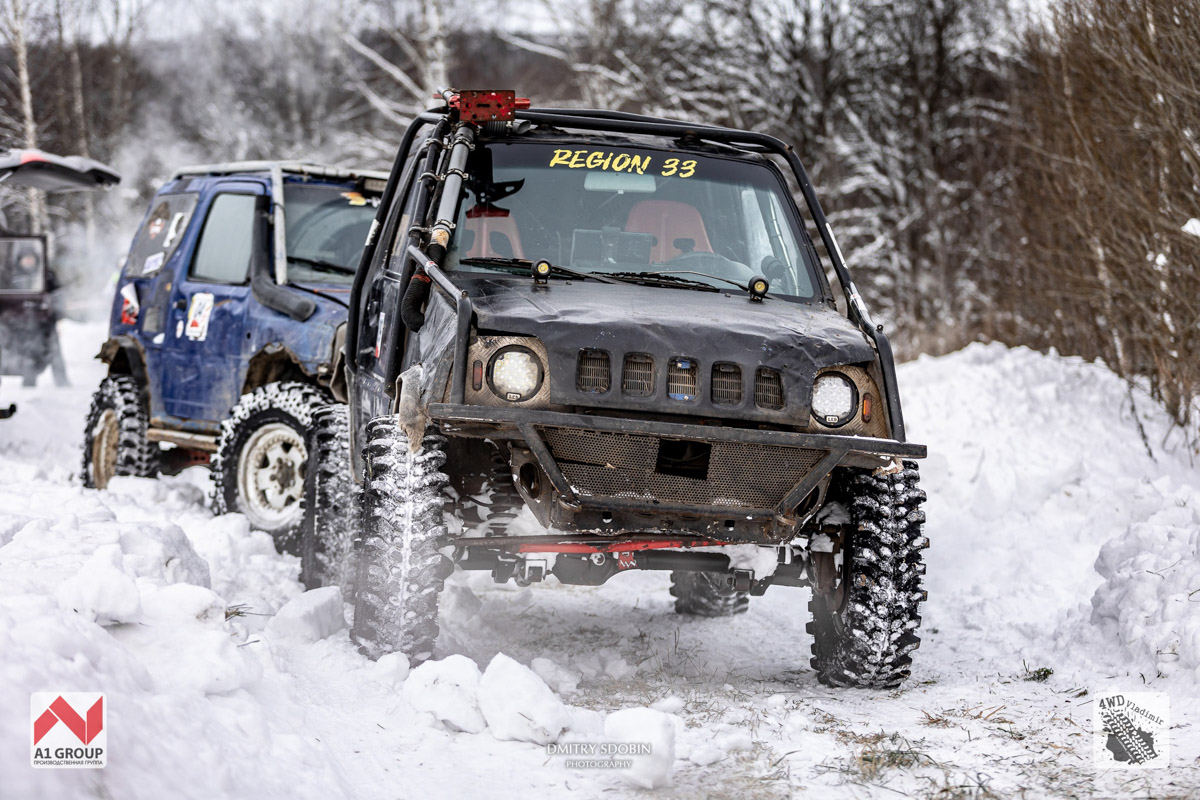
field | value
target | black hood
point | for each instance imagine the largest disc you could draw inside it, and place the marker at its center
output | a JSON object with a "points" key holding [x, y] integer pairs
{"points": [[797, 339]]}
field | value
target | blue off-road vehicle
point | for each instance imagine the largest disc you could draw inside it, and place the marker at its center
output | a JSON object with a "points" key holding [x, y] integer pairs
{"points": [[226, 331]]}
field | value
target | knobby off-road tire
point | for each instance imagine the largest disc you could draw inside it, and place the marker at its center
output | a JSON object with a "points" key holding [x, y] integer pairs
{"points": [[114, 438], [331, 504], [400, 571], [259, 465], [866, 641], [704, 594]]}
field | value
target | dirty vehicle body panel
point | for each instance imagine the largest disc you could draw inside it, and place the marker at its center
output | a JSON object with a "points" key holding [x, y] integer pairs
{"points": [[28, 342], [200, 334], [226, 331], [617, 469]]}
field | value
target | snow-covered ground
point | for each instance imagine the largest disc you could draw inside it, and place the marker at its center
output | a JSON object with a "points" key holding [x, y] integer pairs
{"points": [[1059, 542]]}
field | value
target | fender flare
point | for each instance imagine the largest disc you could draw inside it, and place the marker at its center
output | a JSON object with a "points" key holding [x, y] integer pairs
{"points": [[124, 356], [275, 362]]}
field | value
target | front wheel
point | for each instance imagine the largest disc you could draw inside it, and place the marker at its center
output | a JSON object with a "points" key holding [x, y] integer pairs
{"points": [[865, 621], [331, 504], [261, 458], [400, 571], [114, 438]]}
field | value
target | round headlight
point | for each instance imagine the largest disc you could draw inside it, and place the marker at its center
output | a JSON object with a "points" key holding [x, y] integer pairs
{"points": [[834, 399], [515, 373]]}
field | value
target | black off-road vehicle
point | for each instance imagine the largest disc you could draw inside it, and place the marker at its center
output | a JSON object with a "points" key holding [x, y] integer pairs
{"points": [[622, 323]]}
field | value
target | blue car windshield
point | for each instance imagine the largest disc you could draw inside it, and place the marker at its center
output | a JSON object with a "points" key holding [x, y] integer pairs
{"points": [[326, 227], [616, 209]]}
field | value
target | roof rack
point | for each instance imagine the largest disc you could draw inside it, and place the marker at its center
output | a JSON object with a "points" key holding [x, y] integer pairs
{"points": [[293, 167]]}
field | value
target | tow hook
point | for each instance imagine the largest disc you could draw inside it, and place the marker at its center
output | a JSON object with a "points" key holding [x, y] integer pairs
{"points": [[741, 580], [531, 571]]}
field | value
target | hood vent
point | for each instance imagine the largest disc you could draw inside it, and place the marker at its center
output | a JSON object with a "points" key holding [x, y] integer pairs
{"points": [[768, 389], [593, 375], [726, 384], [681, 379], [637, 377]]}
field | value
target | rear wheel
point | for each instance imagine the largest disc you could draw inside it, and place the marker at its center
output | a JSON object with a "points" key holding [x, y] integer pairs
{"points": [[331, 504], [706, 594], [400, 571], [865, 619], [114, 441], [261, 458]]}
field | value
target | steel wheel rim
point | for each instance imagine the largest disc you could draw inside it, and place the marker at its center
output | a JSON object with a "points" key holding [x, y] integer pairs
{"points": [[270, 476], [104, 448]]}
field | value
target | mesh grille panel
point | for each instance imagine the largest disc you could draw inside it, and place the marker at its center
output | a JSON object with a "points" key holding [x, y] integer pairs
{"points": [[768, 389], [623, 465], [681, 379], [726, 384], [593, 374], [637, 377]]}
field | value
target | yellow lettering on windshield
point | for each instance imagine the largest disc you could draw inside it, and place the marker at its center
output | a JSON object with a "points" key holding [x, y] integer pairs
{"points": [[598, 160], [620, 162]]}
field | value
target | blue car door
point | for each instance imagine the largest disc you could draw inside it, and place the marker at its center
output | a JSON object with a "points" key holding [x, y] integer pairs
{"points": [[202, 351]]}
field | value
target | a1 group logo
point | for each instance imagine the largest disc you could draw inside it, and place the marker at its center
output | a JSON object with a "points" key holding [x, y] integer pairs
{"points": [[69, 729]]}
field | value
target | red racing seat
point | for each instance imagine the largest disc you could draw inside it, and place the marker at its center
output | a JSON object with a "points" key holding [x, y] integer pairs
{"points": [[491, 232], [668, 220]]}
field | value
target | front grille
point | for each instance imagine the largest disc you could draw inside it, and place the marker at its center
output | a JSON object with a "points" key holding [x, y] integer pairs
{"points": [[593, 373], [735, 475], [681, 379], [768, 389], [637, 376], [726, 384]]}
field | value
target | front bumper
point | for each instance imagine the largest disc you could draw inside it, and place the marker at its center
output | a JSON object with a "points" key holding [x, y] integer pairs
{"points": [[609, 474]]}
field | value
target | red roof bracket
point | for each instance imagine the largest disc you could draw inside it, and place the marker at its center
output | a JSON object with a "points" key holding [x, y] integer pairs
{"points": [[486, 105]]}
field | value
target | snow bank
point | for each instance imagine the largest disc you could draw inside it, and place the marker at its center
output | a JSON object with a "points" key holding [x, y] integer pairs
{"points": [[518, 704], [310, 616], [1035, 461], [447, 690], [1150, 599], [644, 725]]}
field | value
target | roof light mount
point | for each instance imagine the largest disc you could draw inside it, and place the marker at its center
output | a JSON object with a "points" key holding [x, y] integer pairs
{"points": [[484, 105]]}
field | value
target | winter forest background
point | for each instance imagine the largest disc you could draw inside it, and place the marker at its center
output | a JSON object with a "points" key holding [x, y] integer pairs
{"points": [[992, 173]]}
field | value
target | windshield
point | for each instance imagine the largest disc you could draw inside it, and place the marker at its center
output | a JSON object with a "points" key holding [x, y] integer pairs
{"points": [[22, 264], [630, 210], [326, 227]]}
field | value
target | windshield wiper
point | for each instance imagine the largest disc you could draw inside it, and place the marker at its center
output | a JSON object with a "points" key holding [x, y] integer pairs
{"points": [[524, 265], [323, 265], [703, 275], [665, 279]]}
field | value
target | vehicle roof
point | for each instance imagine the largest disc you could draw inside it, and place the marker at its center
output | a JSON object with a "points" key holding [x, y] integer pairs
{"points": [[54, 173], [288, 167]]}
